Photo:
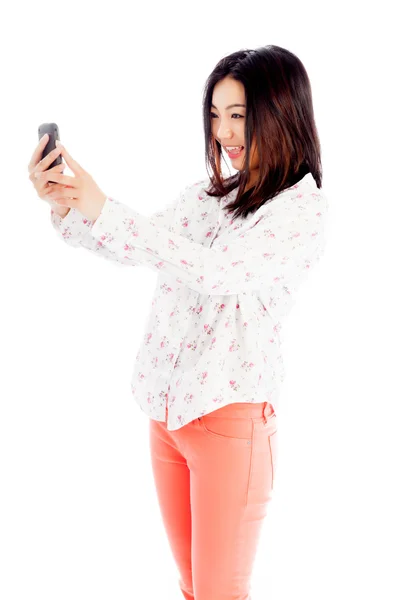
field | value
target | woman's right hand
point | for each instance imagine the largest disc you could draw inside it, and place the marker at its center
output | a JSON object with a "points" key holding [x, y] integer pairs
{"points": [[43, 188]]}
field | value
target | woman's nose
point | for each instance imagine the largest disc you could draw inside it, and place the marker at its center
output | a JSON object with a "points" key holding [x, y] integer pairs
{"points": [[223, 133]]}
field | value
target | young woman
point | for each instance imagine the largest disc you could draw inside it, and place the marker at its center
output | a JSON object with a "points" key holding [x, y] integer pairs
{"points": [[230, 254]]}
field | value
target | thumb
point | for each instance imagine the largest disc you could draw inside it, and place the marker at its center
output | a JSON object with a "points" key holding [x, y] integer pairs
{"points": [[72, 164]]}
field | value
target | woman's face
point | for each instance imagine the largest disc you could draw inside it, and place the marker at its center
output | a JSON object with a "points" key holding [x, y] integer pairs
{"points": [[228, 122]]}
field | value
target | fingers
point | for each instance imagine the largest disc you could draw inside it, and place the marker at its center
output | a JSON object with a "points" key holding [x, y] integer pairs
{"points": [[57, 169], [73, 182], [72, 163], [44, 187], [37, 153], [41, 165], [54, 188]]}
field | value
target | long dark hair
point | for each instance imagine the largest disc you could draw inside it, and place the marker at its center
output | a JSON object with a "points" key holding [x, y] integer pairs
{"points": [[279, 114]]}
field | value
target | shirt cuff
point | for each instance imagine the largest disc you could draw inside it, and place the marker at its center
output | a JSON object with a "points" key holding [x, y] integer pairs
{"points": [[106, 212]]}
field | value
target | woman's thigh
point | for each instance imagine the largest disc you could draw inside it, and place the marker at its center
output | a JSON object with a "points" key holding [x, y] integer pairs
{"points": [[231, 460], [172, 482]]}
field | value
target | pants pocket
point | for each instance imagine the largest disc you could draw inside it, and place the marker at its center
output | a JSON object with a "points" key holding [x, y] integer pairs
{"points": [[231, 430]]}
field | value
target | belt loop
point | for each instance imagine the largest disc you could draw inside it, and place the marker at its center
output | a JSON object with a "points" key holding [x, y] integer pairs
{"points": [[264, 411]]}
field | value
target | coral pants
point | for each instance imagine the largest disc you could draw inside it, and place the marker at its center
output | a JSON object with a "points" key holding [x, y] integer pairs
{"points": [[214, 479]]}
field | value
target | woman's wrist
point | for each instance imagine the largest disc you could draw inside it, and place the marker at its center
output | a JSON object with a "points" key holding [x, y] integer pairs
{"points": [[61, 211]]}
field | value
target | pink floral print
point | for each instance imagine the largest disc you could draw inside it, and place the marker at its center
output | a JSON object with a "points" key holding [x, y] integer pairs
{"points": [[213, 335]]}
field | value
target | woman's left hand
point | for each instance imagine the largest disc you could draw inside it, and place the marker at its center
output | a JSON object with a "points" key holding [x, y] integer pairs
{"points": [[82, 192]]}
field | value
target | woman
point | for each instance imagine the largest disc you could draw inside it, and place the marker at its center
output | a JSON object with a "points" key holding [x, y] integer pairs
{"points": [[230, 254]]}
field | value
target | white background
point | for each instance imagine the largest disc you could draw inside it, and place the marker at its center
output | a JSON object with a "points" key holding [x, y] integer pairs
{"points": [[78, 512]]}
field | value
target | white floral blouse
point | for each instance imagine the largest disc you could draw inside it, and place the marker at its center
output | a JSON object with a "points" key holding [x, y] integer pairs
{"points": [[213, 335]]}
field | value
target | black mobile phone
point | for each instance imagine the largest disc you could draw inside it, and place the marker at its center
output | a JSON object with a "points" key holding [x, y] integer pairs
{"points": [[53, 132]]}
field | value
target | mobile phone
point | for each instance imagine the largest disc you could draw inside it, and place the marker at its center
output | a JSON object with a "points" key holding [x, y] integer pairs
{"points": [[53, 132]]}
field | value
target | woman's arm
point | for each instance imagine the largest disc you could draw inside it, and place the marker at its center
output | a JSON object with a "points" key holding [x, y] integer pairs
{"points": [[75, 230]]}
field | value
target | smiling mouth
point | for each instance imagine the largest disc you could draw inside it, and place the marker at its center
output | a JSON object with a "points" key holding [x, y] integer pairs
{"points": [[234, 153]]}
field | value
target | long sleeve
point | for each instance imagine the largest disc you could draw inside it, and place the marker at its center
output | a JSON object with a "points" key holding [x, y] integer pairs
{"points": [[285, 241], [75, 230]]}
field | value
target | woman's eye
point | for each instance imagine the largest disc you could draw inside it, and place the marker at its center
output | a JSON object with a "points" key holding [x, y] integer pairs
{"points": [[234, 114]]}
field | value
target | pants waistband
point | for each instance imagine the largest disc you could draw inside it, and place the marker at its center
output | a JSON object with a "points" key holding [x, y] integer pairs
{"points": [[240, 410]]}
